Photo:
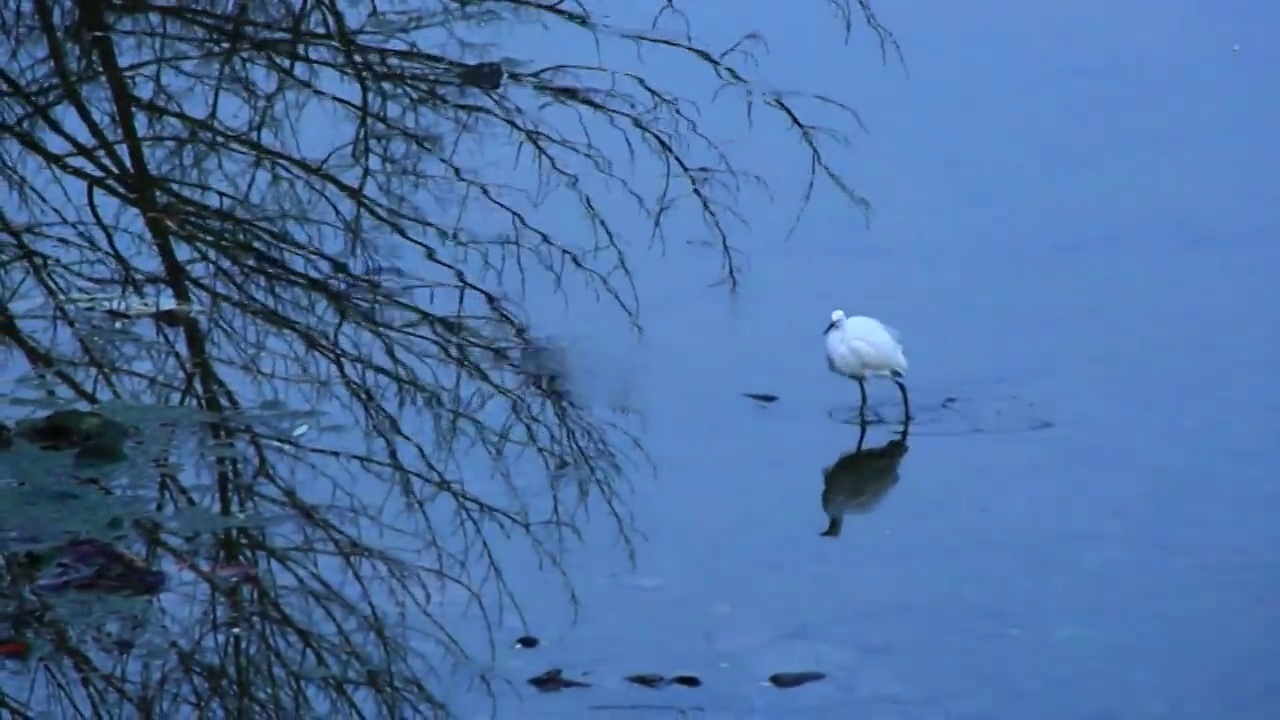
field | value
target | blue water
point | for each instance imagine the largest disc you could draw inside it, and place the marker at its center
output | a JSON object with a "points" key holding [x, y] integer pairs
{"points": [[1075, 221], [1075, 216]]}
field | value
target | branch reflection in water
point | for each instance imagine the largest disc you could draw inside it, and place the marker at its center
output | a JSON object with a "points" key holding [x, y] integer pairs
{"points": [[305, 561], [859, 480], [282, 251]]}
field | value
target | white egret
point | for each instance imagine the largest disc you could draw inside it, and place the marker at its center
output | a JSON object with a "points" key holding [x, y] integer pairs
{"points": [[861, 347]]}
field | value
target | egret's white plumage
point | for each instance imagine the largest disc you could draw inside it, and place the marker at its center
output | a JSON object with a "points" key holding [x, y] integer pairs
{"points": [[860, 347]]}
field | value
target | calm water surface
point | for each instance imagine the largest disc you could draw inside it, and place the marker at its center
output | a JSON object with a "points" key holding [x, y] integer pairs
{"points": [[1077, 226], [1076, 222]]}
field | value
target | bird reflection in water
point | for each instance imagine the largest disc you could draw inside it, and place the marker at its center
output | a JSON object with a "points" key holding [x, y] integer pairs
{"points": [[858, 480]]}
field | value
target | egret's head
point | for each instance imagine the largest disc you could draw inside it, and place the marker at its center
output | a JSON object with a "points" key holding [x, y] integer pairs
{"points": [[837, 317]]}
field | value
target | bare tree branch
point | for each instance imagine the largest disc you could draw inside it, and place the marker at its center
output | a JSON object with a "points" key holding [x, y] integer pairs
{"points": [[225, 219]]}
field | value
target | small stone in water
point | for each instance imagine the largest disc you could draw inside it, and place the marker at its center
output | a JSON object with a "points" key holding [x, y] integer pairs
{"points": [[527, 642], [654, 680], [554, 680], [649, 680], [787, 680], [762, 397]]}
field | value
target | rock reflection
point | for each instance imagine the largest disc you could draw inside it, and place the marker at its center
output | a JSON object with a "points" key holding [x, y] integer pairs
{"points": [[860, 479]]}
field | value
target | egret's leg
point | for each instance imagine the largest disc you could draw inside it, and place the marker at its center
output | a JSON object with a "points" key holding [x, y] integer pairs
{"points": [[906, 428], [862, 388], [833, 527], [906, 404]]}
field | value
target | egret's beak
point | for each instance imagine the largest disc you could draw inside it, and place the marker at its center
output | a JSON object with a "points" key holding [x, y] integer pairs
{"points": [[829, 326]]}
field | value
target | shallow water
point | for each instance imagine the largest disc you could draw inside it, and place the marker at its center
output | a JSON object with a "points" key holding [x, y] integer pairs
{"points": [[1076, 234]]}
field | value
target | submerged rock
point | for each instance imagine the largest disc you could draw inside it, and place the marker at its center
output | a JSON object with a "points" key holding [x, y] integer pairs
{"points": [[554, 680], [93, 436], [787, 680], [96, 566], [527, 642], [649, 680], [655, 680]]}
